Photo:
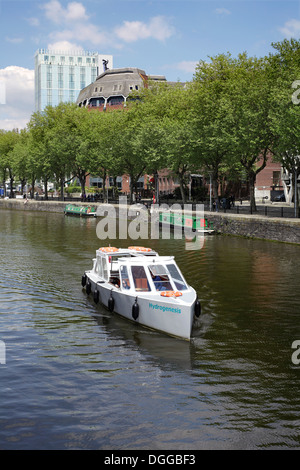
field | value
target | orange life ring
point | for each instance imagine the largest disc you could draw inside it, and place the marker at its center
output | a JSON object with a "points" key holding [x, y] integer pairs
{"points": [[139, 248], [170, 293], [108, 249]]}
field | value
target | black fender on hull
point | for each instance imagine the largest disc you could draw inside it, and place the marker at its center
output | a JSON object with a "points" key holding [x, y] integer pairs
{"points": [[197, 308], [135, 310], [88, 287], [111, 303]]}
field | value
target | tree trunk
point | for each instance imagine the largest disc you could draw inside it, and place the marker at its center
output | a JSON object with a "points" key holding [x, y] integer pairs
{"points": [[4, 188], [62, 185], [46, 187], [81, 174], [252, 179], [23, 182], [32, 188], [181, 186], [104, 175], [132, 186], [11, 184]]}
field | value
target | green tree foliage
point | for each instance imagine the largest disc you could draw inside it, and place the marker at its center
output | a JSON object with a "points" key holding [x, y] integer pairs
{"points": [[285, 115], [228, 120], [8, 139], [213, 116]]}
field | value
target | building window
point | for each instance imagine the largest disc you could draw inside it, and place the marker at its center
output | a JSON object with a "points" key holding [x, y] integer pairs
{"points": [[93, 74], [276, 178]]}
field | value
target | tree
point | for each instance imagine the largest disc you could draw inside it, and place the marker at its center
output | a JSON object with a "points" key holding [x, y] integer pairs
{"points": [[103, 135], [19, 158], [8, 140], [285, 113], [161, 132], [212, 116], [252, 137], [56, 130]]}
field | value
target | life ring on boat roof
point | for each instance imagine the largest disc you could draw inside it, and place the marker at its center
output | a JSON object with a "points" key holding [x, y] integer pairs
{"points": [[170, 293], [139, 248], [108, 249]]}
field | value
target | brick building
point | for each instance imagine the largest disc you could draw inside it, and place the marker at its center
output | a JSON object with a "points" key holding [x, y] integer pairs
{"points": [[269, 182]]}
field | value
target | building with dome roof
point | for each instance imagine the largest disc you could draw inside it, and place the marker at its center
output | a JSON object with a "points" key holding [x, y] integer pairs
{"points": [[112, 87]]}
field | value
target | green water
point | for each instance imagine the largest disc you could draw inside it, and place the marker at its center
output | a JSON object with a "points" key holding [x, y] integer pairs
{"points": [[78, 377]]}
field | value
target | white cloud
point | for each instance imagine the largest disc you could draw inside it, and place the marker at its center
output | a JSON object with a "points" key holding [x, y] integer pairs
{"points": [[64, 46], [187, 66], [222, 11], [158, 28], [19, 97], [291, 28], [84, 32], [75, 27], [74, 11], [14, 40], [33, 21]]}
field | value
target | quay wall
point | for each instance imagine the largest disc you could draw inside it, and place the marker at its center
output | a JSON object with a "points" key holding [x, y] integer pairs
{"points": [[251, 226]]}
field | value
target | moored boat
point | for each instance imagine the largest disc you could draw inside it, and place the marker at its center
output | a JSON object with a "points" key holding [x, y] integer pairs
{"points": [[196, 224], [82, 211], [144, 287]]}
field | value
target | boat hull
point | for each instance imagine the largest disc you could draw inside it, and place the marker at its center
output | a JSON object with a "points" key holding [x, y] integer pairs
{"points": [[174, 316], [80, 211]]}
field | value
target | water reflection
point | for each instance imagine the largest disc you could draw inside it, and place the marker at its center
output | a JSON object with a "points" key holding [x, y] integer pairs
{"points": [[78, 376]]}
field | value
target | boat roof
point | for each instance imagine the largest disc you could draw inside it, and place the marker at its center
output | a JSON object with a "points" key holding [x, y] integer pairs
{"points": [[133, 254]]}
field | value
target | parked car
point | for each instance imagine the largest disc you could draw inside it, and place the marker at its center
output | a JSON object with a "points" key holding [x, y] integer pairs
{"points": [[279, 198]]}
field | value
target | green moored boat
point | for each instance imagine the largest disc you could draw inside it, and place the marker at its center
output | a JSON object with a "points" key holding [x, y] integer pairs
{"points": [[197, 224], [81, 211]]}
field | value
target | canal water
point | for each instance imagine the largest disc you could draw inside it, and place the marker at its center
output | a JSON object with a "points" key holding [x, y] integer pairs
{"points": [[75, 376]]}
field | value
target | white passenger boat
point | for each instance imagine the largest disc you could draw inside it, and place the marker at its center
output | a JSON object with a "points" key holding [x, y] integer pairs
{"points": [[144, 287]]}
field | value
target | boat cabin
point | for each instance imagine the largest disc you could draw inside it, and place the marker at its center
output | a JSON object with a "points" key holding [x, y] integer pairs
{"points": [[136, 270]]}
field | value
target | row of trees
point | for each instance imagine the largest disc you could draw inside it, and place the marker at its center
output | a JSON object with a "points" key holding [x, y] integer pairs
{"points": [[236, 113]]}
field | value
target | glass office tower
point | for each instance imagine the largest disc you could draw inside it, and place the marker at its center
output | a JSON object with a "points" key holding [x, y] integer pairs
{"points": [[60, 76]]}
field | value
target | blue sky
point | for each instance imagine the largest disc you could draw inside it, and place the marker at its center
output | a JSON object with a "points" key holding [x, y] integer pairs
{"points": [[163, 37]]}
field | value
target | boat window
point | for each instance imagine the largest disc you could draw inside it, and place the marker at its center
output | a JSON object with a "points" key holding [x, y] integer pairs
{"points": [[140, 278], [99, 267], [125, 283], [176, 276], [160, 277], [104, 268]]}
